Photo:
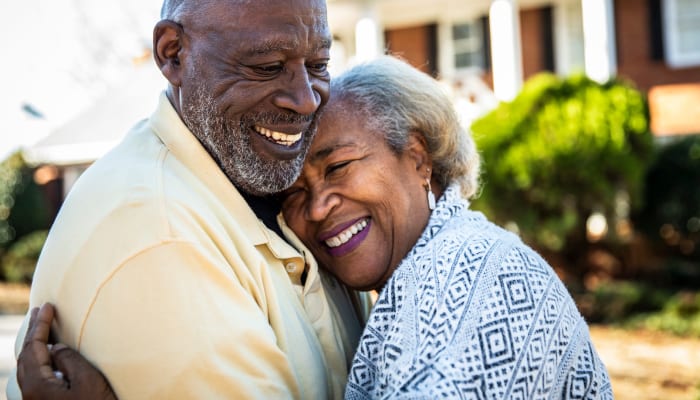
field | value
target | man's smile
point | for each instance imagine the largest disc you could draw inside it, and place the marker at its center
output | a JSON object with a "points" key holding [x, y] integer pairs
{"points": [[281, 138]]}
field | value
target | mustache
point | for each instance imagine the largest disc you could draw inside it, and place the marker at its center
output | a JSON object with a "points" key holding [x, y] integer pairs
{"points": [[276, 118]]}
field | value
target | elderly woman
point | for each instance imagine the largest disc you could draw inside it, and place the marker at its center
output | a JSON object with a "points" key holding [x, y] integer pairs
{"points": [[465, 309]]}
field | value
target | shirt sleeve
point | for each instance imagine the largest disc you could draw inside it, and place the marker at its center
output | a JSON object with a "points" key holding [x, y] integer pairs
{"points": [[171, 323]]}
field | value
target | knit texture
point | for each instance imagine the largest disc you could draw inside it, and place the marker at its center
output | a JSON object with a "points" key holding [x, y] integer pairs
{"points": [[473, 313]]}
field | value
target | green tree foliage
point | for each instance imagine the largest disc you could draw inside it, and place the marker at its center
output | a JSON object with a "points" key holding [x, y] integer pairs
{"points": [[23, 209], [670, 216], [561, 150], [19, 261]]}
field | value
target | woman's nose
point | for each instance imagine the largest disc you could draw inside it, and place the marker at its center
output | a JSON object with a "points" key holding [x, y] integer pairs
{"points": [[321, 204]]}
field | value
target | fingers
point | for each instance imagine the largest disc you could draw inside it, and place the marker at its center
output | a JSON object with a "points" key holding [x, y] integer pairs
{"points": [[73, 376], [34, 361], [40, 324], [71, 363], [86, 381]]}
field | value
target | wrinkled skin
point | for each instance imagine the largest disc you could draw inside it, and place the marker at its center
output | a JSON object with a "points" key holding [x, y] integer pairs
{"points": [[238, 76], [247, 78], [350, 204]]}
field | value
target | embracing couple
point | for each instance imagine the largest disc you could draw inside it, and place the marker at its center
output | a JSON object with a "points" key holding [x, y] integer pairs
{"points": [[220, 252]]}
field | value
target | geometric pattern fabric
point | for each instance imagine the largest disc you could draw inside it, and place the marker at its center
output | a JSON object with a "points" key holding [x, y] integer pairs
{"points": [[473, 313]]}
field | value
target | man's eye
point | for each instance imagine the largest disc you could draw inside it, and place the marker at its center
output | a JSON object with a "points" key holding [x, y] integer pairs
{"points": [[269, 69], [319, 67]]}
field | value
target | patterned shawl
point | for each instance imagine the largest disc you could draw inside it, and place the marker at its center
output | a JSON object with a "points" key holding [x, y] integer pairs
{"points": [[473, 313]]}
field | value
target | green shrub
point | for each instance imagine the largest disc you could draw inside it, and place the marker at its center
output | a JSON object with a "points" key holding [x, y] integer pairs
{"points": [[670, 216], [635, 305], [560, 151], [680, 315], [11, 181], [617, 301], [19, 261], [24, 208]]}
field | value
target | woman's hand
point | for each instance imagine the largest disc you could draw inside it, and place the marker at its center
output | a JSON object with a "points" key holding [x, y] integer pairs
{"points": [[47, 371]]}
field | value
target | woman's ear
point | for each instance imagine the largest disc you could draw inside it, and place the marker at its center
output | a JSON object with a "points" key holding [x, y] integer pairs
{"points": [[167, 46], [417, 151]]}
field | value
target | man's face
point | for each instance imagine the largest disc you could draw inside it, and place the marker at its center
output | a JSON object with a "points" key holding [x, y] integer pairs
{"points": [[253, 80]]}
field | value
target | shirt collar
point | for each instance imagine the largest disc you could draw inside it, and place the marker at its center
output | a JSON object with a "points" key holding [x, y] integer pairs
{"points": [[168, 126]]}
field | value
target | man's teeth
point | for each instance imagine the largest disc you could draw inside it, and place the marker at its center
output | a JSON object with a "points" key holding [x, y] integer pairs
{"points": [[278, 137], [345, 235]]}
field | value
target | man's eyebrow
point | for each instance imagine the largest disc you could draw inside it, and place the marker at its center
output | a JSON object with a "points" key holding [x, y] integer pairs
{"points": [[323, 44], [275, 45], [271, 46], [326, 151]]}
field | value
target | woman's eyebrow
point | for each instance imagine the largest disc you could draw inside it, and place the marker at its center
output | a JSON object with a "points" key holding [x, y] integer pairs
{"points": [[326, 151]]}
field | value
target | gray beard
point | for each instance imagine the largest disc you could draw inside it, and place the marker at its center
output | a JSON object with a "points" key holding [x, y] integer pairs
{"points": [[230, 146]]}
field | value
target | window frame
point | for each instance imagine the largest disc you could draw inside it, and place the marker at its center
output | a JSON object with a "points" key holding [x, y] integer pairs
{"points": [[461, 46], [674, 56]]}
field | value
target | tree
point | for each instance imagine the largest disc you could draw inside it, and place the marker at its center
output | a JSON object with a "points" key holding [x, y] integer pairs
{"points": [[23, 211], [561, 151]]}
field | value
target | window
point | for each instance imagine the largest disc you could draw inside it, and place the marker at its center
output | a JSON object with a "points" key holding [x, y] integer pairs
{"points": [[468, 45], [681, 21]]}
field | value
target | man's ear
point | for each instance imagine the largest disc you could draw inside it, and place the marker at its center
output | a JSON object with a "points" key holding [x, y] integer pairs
{"points": [[417, 151], [167, 47]]}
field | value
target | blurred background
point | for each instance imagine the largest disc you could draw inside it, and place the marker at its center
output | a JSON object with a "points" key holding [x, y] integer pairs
{"points": [[586, 112]]}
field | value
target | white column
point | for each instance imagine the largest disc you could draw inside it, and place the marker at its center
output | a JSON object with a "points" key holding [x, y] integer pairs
{"points": [[599, 39], [369, 38], [506, 53], [71, 174]]}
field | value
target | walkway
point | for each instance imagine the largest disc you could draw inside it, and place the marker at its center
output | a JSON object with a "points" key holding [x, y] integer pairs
{"points": [[9, 324]]}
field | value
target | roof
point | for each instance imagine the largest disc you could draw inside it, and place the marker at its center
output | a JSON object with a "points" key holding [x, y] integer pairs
{"points": [[102, 125]]}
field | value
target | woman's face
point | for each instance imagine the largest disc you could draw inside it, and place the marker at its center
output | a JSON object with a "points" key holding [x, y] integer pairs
{"points": [[358, 206]]}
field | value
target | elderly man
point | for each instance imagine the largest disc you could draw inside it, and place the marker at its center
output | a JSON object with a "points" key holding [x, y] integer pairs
{"points": [[170, 232]]}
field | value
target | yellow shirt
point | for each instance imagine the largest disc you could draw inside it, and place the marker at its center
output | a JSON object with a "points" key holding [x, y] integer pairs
{"points": [[166, 280]]}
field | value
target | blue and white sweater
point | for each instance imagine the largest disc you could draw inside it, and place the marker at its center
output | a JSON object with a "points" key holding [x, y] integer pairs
{"points": [[473, 313]]}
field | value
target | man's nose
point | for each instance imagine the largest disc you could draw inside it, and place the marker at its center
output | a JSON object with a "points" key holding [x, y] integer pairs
{"points": [[299, 94]]}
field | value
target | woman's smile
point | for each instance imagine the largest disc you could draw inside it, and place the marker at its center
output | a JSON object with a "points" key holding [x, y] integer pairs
{"points": [[350, 202], [349, 238]]}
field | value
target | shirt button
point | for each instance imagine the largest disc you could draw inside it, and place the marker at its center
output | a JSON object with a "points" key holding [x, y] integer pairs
{"points": [[290, 267]]}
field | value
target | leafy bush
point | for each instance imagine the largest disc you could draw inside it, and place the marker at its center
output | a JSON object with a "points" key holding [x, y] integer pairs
{"points": [[680, 316], [636, 305], [671, 213], [617, 301], [19, 262], [23, 208], [560, 151]]}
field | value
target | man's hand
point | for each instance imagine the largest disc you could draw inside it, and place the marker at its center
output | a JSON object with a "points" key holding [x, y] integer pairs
{"points": [[47, 371]]}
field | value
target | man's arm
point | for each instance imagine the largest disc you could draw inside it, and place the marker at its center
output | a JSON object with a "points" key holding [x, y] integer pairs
{"points": [[174, 322], [55, 372]]}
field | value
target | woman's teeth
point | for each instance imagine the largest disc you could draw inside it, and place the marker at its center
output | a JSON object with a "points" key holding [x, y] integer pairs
{"points": [[278, 137], [345, 235]]}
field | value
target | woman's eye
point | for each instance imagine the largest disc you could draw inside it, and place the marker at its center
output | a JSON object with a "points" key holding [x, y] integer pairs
{"points": [[288, 194], [336, 167]]}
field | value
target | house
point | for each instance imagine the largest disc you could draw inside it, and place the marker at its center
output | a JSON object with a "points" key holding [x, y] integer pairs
{"points": [[73, 146], [482, 50], [653, 43]]}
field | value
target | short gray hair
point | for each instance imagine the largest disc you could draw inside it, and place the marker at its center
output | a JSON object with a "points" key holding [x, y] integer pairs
{"points": [[394, 98]]}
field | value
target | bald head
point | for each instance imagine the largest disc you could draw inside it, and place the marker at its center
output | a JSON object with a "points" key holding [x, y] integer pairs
{"points": [[175, 10]]}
